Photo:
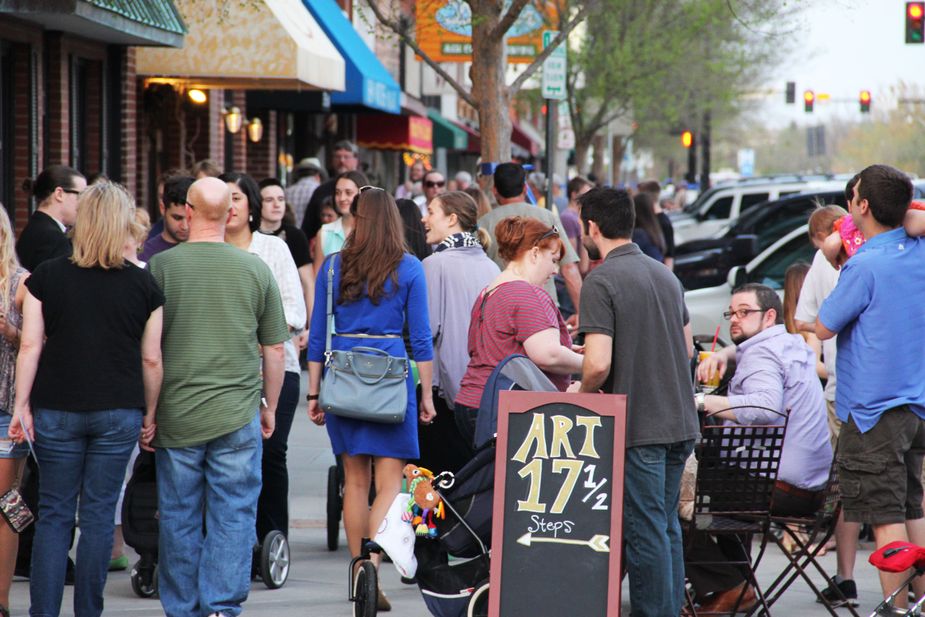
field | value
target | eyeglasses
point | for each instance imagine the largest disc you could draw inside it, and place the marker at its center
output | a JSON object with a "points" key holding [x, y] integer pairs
{"points": [[742, 313], [435, 183], [72, 191], [370, 187]]}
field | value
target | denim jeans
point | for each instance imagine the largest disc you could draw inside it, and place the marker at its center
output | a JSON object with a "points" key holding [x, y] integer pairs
{"points": [[273, 504], [200, 573], [651, 531], [80, 453]]}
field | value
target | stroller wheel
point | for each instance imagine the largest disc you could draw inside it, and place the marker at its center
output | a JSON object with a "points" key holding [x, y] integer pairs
{"points": [[144, 581], [274, 560], [365, 590], [334, 508], [478, 601]]}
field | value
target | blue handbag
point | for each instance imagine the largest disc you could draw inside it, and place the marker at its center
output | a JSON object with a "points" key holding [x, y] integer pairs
{"points": [[363, 383]]}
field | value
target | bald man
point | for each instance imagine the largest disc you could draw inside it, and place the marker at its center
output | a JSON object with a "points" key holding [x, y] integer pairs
{"points": [[223, 312]]}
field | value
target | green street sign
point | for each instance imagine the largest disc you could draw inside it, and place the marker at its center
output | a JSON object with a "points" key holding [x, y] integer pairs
{"points": [[554, 68]]}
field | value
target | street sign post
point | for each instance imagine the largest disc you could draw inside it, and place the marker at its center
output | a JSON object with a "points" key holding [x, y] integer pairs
{"points": [[553, 90]]}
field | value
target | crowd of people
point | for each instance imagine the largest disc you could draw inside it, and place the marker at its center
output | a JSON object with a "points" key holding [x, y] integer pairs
{"points": [[184, 339]]}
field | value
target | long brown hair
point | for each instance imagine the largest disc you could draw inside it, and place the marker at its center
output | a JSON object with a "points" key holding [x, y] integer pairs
{"points": [[793, 283], [373, 249], [646, 219]]}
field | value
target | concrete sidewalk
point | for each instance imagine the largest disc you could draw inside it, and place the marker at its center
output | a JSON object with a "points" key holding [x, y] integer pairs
{"points": [[317, 582]]}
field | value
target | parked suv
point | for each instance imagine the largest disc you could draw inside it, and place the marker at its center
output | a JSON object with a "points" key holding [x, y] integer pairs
{"points": [[706, 306], [705, 263], [719, 206]]}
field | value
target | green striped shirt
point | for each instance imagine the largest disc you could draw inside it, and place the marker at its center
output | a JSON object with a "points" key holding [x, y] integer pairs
{"points": [[221, 304]]}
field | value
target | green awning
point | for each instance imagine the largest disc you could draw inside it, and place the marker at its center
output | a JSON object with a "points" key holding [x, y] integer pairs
{"points": [[119, 22], [446, 134], [161, 14]]}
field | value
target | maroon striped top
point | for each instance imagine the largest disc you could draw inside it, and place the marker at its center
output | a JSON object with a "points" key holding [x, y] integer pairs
{"points": [[500, 323]]}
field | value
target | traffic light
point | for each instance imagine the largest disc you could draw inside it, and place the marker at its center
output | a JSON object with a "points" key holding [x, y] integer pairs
{"points": [[687, 139], [791, 93], [809, 97], [864, 100], [915, 22]]}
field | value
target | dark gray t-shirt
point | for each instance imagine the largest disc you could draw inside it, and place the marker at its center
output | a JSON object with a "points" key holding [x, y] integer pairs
{"points": [[640, 303]]}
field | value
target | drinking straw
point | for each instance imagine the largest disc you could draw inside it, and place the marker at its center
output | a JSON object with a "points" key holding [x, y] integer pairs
{"points": [[715, 336]]}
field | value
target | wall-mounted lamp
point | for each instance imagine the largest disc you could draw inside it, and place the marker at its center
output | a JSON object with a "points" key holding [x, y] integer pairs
{"points": [[233, 119], [197, 96], [255, 130]]}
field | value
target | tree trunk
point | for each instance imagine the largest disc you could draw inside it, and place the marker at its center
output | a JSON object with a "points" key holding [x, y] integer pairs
{"points": [[619, 148], [489, 63], [597, 163], [582, 146]]}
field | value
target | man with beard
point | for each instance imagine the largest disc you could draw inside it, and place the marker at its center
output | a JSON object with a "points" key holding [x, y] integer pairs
{"points": [[775, 370]]}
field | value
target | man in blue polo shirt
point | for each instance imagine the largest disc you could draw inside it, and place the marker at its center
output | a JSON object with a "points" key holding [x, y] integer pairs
{"points": [[876, 310]]}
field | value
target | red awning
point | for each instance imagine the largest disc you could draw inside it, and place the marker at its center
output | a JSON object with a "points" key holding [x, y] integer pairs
{"points": [[475, 140], [391, 132], [523, 139], [518, 136]]}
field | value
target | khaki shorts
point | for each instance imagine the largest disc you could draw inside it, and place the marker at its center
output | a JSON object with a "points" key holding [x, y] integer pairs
{"points": [[880, 470]]}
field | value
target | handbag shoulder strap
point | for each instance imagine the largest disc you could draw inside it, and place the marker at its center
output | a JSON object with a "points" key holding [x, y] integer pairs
{"points": [[330, 305]]}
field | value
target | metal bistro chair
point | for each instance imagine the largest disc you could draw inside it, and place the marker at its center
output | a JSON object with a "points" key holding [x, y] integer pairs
{"points": [[736, 469], [809, 534]]}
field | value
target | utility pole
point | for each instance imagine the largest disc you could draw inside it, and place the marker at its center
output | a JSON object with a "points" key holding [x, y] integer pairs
{"points": [[705, 147]]}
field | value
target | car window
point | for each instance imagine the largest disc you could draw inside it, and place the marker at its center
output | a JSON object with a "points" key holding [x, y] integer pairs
{"points": [[720, 209], [750, 200], [793, 192], [781, 221], [771, 271]]}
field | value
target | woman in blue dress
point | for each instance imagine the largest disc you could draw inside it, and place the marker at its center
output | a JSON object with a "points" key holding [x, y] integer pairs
{"points": [[377, 288]]}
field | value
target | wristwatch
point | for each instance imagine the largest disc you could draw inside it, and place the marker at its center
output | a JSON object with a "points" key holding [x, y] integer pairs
{"points": [[698, 399], [311, 397]]}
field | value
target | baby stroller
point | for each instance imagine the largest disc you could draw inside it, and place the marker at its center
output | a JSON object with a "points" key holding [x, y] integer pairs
{"points": [[140, 531], [139, 524], [459, 587], [899, 557]]}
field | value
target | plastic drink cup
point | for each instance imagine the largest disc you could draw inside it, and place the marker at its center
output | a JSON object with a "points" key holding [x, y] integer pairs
{"points": [[713, 381]]}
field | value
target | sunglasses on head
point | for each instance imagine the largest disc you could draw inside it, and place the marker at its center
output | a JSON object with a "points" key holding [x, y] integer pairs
{"points": [[370, 187], [435, 183], [549, 234]]}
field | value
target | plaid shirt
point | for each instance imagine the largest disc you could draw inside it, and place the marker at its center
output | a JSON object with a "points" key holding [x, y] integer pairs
{"points": [[298, 195]]}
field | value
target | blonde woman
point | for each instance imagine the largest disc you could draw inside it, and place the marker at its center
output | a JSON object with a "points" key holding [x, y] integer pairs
{"points": [[89, 369], [12, 455]]}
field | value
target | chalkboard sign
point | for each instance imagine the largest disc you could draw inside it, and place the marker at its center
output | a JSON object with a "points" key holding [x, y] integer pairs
{"points": [[558, 505]]}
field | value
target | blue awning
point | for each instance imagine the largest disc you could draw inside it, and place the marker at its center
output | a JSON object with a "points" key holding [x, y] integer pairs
{"points": [[368, 82]]}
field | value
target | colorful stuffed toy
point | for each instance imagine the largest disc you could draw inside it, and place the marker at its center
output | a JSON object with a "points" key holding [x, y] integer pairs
{"points": [[425, 504]]}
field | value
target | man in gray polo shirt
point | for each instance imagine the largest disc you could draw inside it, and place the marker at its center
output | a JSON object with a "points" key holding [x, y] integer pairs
{"points": [[509, 187], [638, 343]]}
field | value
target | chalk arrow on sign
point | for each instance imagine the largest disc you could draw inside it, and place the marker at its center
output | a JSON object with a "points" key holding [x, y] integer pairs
{"points": [[597, 542]]}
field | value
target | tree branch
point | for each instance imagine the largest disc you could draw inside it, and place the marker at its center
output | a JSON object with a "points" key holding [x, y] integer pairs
{"points": [[538, 61], [398, 29], [507, 20]]}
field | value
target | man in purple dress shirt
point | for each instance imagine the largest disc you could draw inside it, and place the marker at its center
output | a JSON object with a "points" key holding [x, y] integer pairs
{"points": [[774, 370]]}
